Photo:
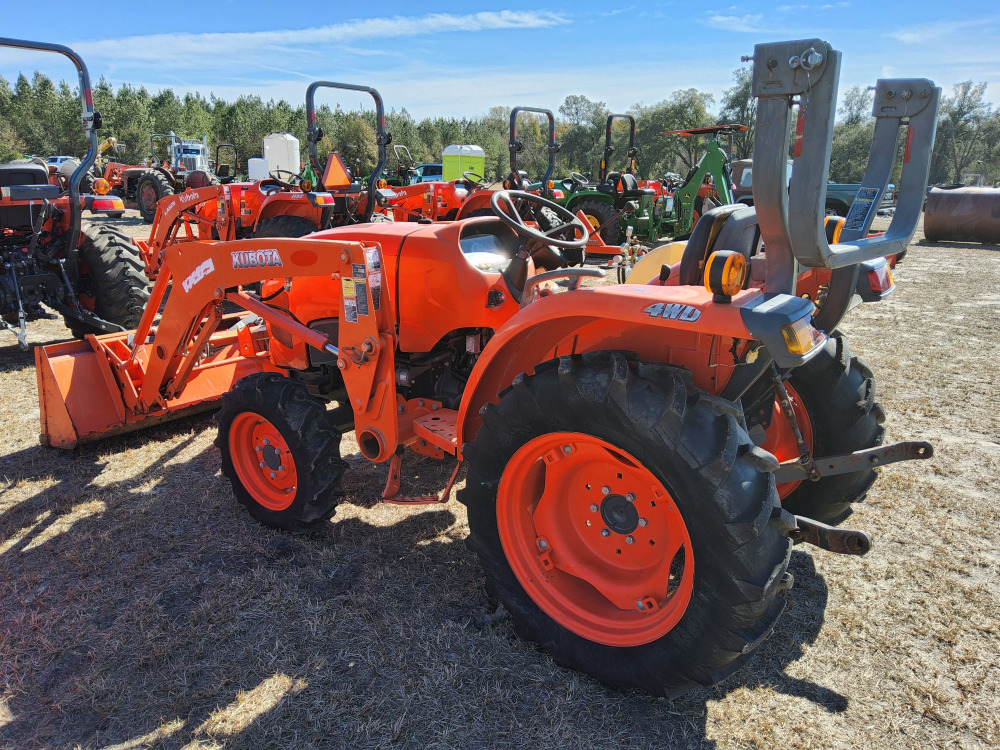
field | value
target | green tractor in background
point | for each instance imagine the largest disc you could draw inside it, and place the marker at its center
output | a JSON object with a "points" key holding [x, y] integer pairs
{"points": [[655, 209]]}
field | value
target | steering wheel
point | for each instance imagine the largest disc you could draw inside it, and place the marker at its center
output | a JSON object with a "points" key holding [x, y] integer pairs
{"points": [[474, 177], [578, 179], [513, 200], [273, 174]]}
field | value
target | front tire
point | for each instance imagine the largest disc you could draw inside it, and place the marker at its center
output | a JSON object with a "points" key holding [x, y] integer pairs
{"points": [[280, 452], [695, 591], [111, 280]]}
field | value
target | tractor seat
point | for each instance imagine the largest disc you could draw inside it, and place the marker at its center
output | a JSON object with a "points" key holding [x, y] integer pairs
{"points": [[27, 181], [731, 227], [631, 189]]}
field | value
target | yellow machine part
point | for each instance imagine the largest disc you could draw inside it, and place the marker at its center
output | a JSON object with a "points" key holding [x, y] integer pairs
{"points": [[648, 267]]}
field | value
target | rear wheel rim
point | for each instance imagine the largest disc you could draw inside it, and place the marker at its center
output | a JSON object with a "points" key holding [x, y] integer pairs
{"points": [[595, 539], [263, 461], [780, 438], [85, 287], [147, 196]]}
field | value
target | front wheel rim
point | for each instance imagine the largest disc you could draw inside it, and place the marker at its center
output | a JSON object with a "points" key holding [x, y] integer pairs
{"points": [[595, 539], [263, 461]]}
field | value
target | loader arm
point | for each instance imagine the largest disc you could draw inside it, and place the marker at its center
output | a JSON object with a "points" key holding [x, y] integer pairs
{"points": [[179, 214], [185, 360]]}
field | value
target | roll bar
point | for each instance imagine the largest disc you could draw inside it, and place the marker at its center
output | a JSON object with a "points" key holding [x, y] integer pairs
{"points": [[382, 137], [397, 148], [91, 124], [602, 172], [806, 72], [515, 145]]}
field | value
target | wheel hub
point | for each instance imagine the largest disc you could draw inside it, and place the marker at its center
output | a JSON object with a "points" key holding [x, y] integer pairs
{"points": [[619, 514], [271, 457]]}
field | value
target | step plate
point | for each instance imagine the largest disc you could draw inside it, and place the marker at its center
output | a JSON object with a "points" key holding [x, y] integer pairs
{"points": [[439, 428]]}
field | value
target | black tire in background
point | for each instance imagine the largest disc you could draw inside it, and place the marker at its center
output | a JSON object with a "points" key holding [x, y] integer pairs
{"points": [[311, 438], [111, 280], [284, 226], [721, 483], [601, 212], [151, 186], [837, 390]]}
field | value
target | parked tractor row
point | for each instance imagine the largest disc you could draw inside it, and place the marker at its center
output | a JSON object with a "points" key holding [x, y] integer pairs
{"points": [[640, 457]]}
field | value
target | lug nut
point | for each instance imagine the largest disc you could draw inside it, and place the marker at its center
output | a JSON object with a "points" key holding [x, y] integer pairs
{"points": [[273, 475], [567, 449], [262, 464], [643, 521], [281, 468], [605, 532], [266, 441], [593, 508], [629, 540], [259, 449], [630, 497], [606, 490], [639, 605]]}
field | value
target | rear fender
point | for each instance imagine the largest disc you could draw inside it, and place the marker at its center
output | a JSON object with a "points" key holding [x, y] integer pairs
{"points": [[475, 202], [288, 204], [678, 325]]}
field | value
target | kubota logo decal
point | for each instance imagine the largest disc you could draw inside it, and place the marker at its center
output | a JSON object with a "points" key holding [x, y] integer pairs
{"points": [[186, 198], [673, 311], [198, 274], [256, 258]]}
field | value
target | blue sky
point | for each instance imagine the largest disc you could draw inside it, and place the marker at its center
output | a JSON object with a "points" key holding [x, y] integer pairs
{"points": [[454, 59]]}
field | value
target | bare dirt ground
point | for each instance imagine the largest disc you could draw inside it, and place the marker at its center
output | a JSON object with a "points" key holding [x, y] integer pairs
{"points": [[141, 607]]}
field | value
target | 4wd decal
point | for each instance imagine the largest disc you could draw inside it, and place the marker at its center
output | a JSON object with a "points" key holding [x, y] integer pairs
{"points": [[256, 258], [197, 275], [673, 311]]}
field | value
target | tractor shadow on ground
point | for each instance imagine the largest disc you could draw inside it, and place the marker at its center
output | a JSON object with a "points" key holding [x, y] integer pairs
{"points": [[15, 359], [167, 617]]}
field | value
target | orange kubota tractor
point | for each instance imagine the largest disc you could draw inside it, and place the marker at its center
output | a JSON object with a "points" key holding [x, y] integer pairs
{"points": [[628, 447], [49, 258]]}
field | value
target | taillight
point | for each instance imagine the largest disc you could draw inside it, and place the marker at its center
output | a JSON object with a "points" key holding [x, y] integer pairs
{"points": [[880, 280]]}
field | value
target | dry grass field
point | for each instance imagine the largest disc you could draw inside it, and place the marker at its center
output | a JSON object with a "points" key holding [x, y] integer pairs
{"points": [[140, 606]]}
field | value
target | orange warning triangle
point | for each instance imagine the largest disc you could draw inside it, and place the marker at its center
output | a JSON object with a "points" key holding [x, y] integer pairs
{"points": [[336, 175]]}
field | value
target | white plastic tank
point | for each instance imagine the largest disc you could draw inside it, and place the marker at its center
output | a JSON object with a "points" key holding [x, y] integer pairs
{"points": [[256, 169], [281, 150]]}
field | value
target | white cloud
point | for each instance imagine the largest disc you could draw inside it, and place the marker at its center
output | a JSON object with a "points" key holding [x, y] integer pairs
{"points": [[938, 30], [195, 49], [748, 23]]}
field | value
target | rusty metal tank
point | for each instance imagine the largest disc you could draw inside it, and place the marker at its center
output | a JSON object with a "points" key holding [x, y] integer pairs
{"points": [[963, 214]]}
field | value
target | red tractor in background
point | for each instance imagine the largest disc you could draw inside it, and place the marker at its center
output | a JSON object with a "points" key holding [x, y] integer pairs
{"points": [[284, 204], [49, 258], [640, 457]]}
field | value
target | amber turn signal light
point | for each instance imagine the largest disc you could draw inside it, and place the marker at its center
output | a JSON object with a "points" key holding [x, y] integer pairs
{"points": [[725, 273], [101, 186]]}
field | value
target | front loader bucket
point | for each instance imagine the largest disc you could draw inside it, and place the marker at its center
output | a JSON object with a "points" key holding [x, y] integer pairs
{"points": [[77, 393], [80, 399]]}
